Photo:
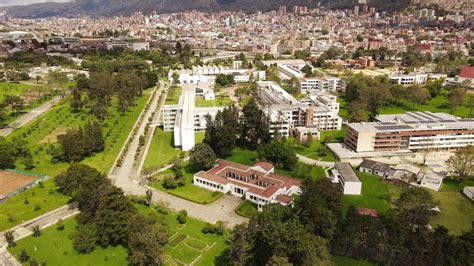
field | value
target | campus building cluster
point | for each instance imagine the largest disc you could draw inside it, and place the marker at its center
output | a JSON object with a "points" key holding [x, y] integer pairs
{"points": [[285, 113], [411, 131], [184, 118], [257, 183]]}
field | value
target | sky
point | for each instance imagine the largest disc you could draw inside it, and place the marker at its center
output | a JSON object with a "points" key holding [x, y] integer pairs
{"points": [[4, 3]]}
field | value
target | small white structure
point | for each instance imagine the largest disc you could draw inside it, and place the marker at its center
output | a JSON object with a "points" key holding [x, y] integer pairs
{"points": [[374, 167], [345, 175], [431, 180], [469, 192]]}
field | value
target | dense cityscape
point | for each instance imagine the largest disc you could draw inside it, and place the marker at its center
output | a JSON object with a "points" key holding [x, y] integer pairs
{"points": [[237, 133]]}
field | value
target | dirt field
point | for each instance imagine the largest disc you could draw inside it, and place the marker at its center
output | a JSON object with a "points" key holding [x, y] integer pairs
{"points": [[53, 136], [10, 181]]}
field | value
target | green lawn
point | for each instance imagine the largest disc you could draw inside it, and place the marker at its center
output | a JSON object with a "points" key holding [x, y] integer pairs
{"points": [[247, 209], [343, 111], [173, 96], [55, 247], [457, 211], [437, 104], [376, 194], [115, 133], [221, 100], [311, 151], [162, 149], [348, 261], [189, 191], [243, 156], [210, 246], [13, 89]]}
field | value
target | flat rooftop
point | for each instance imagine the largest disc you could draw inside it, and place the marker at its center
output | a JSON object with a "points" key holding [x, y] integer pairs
{"points": [[346, 171], [412, 121]]}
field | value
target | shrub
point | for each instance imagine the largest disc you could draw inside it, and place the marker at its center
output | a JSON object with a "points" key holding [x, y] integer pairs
{"points": [[37, 208], [182, 215], [169, 183], [24, 256], [60, 225], [36, 231], [85, 239]]}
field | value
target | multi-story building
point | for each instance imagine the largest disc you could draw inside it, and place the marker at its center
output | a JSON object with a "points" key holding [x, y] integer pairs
{"points": [[312, 85], [257, 183], [129, 43], [208, 74], [284, 112], [411, 131], [415, 78], [184, 118]]}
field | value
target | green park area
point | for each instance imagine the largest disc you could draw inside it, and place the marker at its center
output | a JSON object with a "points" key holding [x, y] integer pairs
{"points": [[457, 212], [162, 150], [316, 149], [173, 96], [247, 209], [220, 100], [188, 191], [42, 132], [187, 243], [376, 194], [12, 89]]}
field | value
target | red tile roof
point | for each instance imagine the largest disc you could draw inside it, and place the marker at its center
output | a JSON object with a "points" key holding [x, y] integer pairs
{"points": [[368, 212], [265, 165], [257, 182], [467, 72]]}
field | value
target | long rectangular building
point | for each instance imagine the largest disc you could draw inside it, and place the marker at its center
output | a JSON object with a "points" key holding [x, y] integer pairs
{"points": [[411, 131], [285, 113]]}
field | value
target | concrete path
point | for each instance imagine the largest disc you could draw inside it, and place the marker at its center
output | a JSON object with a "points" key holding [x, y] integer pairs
{"points": [[310, 161], [25, 229], [28, 117], [221, 210]]}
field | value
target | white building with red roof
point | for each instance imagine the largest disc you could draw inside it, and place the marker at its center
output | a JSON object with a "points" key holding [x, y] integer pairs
{"points": [[257, 183]]}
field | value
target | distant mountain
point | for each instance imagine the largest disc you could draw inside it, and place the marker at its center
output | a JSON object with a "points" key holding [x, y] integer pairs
{"points": [[4, 3], [126, 7]]}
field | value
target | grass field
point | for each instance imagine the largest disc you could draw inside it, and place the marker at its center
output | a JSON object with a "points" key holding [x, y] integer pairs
{"points": [[243, 156], [162, 149], [457, 211], [115, 133], [376, 194], [437, 104], [188, 191], [247, 209], [221, 100], [55, 247], [196, 243], [12, 89], [173, 96], [311, 151]]}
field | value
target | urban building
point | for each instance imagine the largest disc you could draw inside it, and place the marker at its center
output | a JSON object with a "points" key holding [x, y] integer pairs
{"points": [[343, 174], [374, 167], [285, 113], [311, 85], [410, 131], [416, 78], [208, 74], [257, 183], [184, 118], [129, 43]]}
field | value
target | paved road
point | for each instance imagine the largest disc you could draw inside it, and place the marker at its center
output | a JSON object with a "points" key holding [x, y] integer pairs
{"points": [[28, 117], [126, 175], [310, 161], [25, 229]]}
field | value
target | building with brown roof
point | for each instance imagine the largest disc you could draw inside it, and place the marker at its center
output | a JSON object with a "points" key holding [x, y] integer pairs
{"points": [[257, 183]]}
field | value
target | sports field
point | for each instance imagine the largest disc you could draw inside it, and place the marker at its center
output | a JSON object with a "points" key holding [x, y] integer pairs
{"points": [[11, 181]]}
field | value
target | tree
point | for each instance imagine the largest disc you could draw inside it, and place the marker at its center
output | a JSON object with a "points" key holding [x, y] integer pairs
{"points": [[238, 250], [36, 231], [182, 215], [413, 208], [84, 240], [24, 256], [202, 157], [222, 132], [7, 154], [308, 70], [279, 154], [149, 197], [462, 162], [456, 98], [145, 241], [254, 127], [10, 238]]}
